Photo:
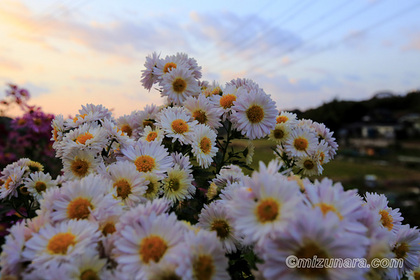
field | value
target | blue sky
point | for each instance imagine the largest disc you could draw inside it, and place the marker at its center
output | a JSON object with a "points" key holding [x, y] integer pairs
{"points": [[302, 53]]}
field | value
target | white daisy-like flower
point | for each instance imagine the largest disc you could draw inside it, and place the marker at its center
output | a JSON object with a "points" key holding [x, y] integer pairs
{"points": [[149, 240], [324, 133], [414, 274], [248, 84], [58, 127], [87, 266], [128, 124], [87, 136], [178, 84], [215, 217], [202, 257], [84, 199], [164, 270], [63, 242], [166, 65], [182, 161], [406, 246], [152, 134], [210, 90], [148, 157], [192, 64], [79, 163], [300, 143], [287, 118], [38, 183], [204, 145], [280, 133], [226, 99], [388, 218], [250, 150], [129, 183], [178, 186], [271, 203], [148, 76], [154, 185], [310, 234], [323, 152], [254, 114], [203, 111], [177, 123], [89, 113], [11, 180], [310, 165]]}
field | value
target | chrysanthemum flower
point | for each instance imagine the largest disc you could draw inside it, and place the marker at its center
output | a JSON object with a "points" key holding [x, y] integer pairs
{"points": [[148, 157], [203, 111], [178, 84], [310, 234], [148, 76], [300, 142], [89, 113], [310, 165], [177, 186], [387, 217], [204, 145], [287, 118], [79, 163], [150, 240], [202, 257], [152, 134], [58, 127], [154, 185], [129, 183], [280, 133], [215, 217], [11, 179], [254, 114], [38, 183], [128, 124], [83, 199], [64, 241], [177, 123]]}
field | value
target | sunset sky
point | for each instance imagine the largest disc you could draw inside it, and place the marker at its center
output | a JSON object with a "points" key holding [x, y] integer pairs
{"points": [[72, 52]]}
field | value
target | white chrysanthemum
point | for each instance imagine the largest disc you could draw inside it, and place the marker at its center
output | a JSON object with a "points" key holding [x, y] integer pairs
{"points": [[89, 113], [128, 124], [250, 150], [182, 161], [11, 179], [63, 242], [129, 183], [87, 266], [323, 152], [58, 126], [203, 111], [152, 134], [387, 217], [287, 118], [11, 262], [84, 199], [154, 185], [204, 145], [148, 157], [271, 203], [38, 183], [167, 64], [300, 143], [406, 246], [324, 133], [79, 163], [164, 270], [280, 133], [177, 124], [178, 84], [310, 165], [254, 114], [202, 257], [311, 234], [245, 83], [87, 136], [148, 76], [215, 217], [149, 240], [178, 186]]}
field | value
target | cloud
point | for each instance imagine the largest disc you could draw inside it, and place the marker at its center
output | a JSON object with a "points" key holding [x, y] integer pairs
{"points": [[8, 65], [413, 43]]}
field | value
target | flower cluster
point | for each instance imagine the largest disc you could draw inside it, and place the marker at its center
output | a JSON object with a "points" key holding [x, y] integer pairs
{"points": [[162, 194]]}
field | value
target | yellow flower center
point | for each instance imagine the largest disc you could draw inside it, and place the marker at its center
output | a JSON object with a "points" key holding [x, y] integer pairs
{"points": [[308, 251], [282, 119], [82, 138], [152, 248], [325, 208], [416, 275], [401, 250], [151, 188], [55, 134], [205, 145], [77, 117], [226, 101], [321, 157], [79, 208], [123, 188], [300, 143], [278, 133], [179, 85], [386, 219], [80, 167], [221, 227], [267, 210], [308, 164], [89, 274], [168, 67], [145, 163], [127, 129], [7, 183], [255, 114], [200, 116], [59, 243], [216, 90], [203, 268], [40, 186], [179, 126], [151, 136], [148, 123], [35, 166], [174, 184], [23, 190], [21, 122], [109, 228]]}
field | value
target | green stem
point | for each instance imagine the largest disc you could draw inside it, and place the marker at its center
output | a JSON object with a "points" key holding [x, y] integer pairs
{"points": [[228, 130]]}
